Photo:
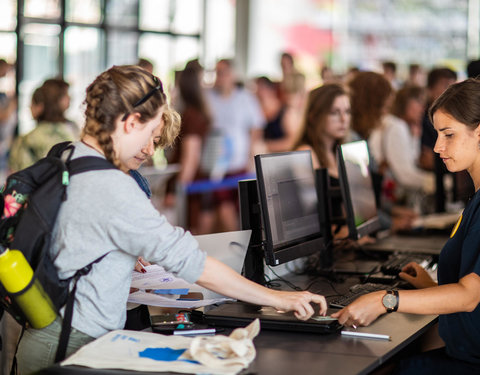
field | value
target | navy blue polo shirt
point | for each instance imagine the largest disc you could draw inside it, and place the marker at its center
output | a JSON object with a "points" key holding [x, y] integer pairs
{"points": [[459, 257]]}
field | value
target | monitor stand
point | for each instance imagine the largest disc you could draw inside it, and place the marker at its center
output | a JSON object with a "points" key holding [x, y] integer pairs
{"points": [[250, 218]]}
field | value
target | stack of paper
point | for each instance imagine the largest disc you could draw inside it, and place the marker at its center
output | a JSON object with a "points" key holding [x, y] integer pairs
{"points": [[158, 287]]}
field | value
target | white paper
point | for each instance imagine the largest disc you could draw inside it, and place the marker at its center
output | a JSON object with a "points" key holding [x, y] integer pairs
{"points": [[157, 278], [147, 351], [152, 299]]}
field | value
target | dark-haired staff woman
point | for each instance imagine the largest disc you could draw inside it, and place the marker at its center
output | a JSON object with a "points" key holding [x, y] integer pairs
{"points": [[456, 118]]}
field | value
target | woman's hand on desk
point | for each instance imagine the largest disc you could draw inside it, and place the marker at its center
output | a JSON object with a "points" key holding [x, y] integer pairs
{"points": [[363, 311], [417, 276], [222, 279], [299, 303]]}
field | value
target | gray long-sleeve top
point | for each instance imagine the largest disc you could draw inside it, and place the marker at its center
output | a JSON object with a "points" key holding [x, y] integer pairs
{"points": [[106, 211]]}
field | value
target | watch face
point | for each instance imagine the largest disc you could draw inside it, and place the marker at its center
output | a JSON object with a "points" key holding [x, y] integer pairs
{"points": [[389, 301]]}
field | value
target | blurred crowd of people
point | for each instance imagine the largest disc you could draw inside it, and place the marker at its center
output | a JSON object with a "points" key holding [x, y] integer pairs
{"points": [[226, 123]]}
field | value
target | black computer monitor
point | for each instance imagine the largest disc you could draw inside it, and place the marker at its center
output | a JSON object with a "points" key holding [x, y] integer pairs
{"points": [[289, 206], [357, 189]]}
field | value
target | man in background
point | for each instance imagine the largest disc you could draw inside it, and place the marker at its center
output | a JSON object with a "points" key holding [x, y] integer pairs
{"points": [[237, 126]]}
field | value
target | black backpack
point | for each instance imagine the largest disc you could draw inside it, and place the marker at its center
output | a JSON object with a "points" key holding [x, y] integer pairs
{"points": [[29, 204]]}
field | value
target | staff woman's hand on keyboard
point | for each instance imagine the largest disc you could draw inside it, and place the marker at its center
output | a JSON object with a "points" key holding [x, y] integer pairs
{"points": [[417, 276], [300, 303], [363, 311]]}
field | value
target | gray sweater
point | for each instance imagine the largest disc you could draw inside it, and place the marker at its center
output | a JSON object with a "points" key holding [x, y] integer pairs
{"points": [[106, 211]]}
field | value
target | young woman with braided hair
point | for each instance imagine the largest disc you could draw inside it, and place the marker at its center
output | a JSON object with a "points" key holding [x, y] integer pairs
{"points": [[107, 213]]}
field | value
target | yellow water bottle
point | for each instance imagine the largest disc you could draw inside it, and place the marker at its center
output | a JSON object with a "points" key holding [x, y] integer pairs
{"points": [[15, 276]]}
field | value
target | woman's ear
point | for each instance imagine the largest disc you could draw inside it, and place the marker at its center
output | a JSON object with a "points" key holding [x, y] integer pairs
{"points": [[476, 132], [131, 122]]}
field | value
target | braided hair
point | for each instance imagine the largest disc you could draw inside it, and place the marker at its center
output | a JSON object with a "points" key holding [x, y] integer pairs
{"points": [[113, 94]]}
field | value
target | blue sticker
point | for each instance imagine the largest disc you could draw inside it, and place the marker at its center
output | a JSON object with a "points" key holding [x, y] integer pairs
{"points": [[162, 354]]}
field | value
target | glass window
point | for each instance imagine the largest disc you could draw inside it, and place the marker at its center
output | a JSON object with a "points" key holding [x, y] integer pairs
{"points": [[8, 51], [40, 62], [8, 46], [41, 50], [83, 11], [122, 12], [185, 49], [83, 62], [42, 8], [122, 48], [156, 48], [8, 15], [220, 34], [154, 15], [187, 17]]}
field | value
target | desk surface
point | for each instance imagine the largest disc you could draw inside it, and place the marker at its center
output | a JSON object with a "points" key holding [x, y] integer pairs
{"points": [[292, 353], [303, 353], [287, 353]]}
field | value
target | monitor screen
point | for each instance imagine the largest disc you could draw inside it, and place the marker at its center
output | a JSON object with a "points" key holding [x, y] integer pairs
{"points": [[289, 206], [357, 189]]}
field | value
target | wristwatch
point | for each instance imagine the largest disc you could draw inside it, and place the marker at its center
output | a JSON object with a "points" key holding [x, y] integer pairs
{"points": [[390, 300]]}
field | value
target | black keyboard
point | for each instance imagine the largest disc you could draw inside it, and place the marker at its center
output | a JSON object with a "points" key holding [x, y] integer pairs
{"points": [[395, 263], [356, 291]]}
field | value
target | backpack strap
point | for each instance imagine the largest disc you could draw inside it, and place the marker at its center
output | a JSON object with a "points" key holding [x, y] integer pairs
{"points": [[76, 166], [80, 165], [58, 149], [13, 368], [68, 314], [88, 163]]}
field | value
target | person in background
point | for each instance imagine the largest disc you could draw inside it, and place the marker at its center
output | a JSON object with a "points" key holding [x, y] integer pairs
{"points": [[292, 89], [438, 80], [325, 125], [456, 118], [196, 123], [473, 69], [7, 105], [282, 120], [234, 137], [390, 73], [416, 76], [8, 120], [396, 146], [371, 99], [49, 103], [327, 75], [106, 213]]}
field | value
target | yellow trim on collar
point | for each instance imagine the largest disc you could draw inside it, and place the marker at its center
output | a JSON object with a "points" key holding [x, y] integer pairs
{"points": [[455, 228]]}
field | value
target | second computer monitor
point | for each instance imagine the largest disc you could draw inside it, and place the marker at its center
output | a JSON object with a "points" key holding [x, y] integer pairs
{"points": [[357, 189], [289, 205]]}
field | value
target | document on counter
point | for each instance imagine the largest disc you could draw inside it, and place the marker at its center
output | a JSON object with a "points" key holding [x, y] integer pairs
{"points": [[156, 277], [152, 299]]}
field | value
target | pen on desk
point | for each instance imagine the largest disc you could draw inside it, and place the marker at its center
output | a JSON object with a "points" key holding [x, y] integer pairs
{"points": [[191, 332], [143, 270], [366, 335]]}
